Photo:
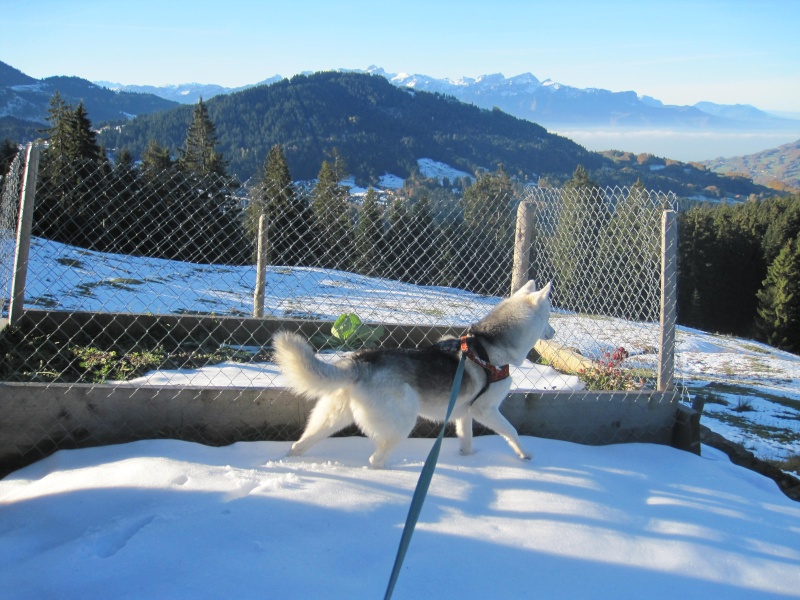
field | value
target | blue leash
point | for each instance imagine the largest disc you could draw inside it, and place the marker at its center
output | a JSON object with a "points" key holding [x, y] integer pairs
{"points": [[423, 484]]}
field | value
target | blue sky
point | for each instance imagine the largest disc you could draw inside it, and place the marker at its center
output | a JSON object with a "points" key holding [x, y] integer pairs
{"points": [[681, 52]]}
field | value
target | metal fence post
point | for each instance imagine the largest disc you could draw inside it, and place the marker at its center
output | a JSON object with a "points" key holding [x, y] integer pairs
{"points": [[522, 246], [261, 268], [24, 225], [669, 300]]}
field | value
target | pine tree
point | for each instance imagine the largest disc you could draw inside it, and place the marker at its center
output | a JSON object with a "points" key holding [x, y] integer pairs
{"points": [[778, 319], [83, 141], [489, 209], [155, 159], [8, 152], [332, 224], [628, 257], [571, 251], [199, 152], [398, 239], [423, 264], [368, 245], [277, 198]]}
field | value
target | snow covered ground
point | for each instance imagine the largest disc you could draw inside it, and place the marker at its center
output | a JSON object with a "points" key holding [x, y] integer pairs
{"points": [[170, 519]]}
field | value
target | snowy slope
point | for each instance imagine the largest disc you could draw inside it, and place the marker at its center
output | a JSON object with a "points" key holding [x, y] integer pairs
{"points": [[168, 519]]}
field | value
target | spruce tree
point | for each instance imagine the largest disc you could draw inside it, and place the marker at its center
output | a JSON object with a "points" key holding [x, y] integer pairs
{"points": [[696, 251], [489, 209], [70, 208], [83, 141], [124, 160], [57, 155], [199, 152], [571, 251], [423, 264], [398, 239], [332, 224], [778, 319], [277, 198], [8, 152], [368, 247], [628, 258], [155, 159]]}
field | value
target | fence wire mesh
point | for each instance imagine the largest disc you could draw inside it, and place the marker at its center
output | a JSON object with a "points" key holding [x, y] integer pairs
{"points": [[9, 203], [142, 280]]}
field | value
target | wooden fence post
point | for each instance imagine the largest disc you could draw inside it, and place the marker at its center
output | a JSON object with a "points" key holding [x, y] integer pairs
{"points": [[27, 198], [669, 300], [261, 267], [522, 246]]}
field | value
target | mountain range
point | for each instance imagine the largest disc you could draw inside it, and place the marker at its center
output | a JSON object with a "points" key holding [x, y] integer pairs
{"points": [[24, 99], [548, 103], [381, 129], [382, 123]]}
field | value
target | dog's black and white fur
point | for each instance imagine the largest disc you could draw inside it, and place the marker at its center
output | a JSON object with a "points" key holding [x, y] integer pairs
{"points": [[383, 390]]}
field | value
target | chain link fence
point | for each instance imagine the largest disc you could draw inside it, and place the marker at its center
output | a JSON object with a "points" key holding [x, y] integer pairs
{"points": [[9, 203], [151, 295]]}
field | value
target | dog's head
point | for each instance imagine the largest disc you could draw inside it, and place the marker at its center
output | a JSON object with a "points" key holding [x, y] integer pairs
{"points": [[539, 302], [514, 325]]}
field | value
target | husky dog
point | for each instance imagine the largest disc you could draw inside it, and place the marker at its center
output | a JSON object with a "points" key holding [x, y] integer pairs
{"points": [[383, 390]]}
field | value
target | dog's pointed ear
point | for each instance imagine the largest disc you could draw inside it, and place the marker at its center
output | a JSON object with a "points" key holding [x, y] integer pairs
{"points": [[527, 289], [545, 291]]}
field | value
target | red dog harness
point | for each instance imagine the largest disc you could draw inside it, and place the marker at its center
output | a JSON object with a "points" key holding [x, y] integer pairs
{"points": [[493, 373]]}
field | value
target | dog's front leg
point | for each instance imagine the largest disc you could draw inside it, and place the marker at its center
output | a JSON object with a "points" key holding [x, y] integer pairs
{"points": [[464, 433], [491, 417]]}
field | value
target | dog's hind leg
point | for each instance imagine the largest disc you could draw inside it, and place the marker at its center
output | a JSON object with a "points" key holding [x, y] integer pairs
{"points": [[464, 433], [330, 415], [386, 415], [494, 420], [383, 447]]}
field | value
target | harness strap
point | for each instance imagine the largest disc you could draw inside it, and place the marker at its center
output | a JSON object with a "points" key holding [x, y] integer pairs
{"points": [[493, 373]]}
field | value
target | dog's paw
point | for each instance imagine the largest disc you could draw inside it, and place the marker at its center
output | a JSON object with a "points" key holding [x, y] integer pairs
{"points": [[525, 455]]}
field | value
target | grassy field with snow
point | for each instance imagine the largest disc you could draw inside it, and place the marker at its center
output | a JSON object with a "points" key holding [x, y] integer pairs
{"points": [[751, 391]]}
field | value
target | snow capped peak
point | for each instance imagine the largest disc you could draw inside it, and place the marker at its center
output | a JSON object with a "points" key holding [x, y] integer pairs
{"points": [[525, 79], [462, 81], [374, 70], [492, 78]]}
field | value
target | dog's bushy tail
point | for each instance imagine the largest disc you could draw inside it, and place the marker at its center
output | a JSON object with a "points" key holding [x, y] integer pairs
{"points": [[305, 373]]}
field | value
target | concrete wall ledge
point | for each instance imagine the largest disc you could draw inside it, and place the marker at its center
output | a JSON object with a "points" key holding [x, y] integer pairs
{"points": [[39, 419]]}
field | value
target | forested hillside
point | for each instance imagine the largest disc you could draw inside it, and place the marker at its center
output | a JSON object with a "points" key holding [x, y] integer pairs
{"points": [[740, 270], [379, 128], [778, 168], [24, 101]]}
